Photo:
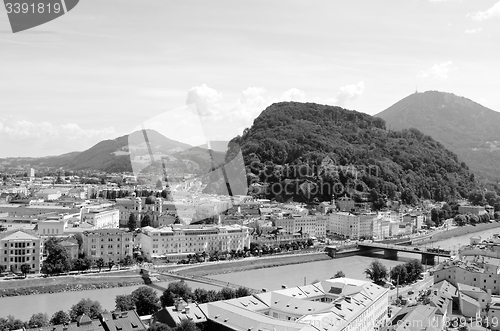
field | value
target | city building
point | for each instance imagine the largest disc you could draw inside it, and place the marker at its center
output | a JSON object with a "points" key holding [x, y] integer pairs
{"points": [[71, 248], [177, 241], [309, 226], [52, 226], [474, 210], [109, 244], [114, 321], [139, 206], [102, 218], [18, 247], [352, 226], [331, 305]]}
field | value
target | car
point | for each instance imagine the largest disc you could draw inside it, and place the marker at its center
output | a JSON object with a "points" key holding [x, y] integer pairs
{"points": [[410, 292], [416, 249]]}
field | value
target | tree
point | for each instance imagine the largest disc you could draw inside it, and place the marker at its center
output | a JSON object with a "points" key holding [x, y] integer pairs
{"points": [[2, 269], [146, 221], [132, 222], [38, 320], [377, 272], [160, 327], [79, 240], [339, 274], [242, 292], [212, 296], [399, 275], [124, 302], [25, 269], [186, 325], [59, 318], [167, 299], [460, 220], [146, 300], [181, 289], [110, 265], [11, 323], [226, 294], [200, 295], [414, 269], [127, 260], [100, 263], [58, 261], [85, 306]]}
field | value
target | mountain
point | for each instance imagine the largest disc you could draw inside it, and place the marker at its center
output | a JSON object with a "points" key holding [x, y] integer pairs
{"points": [[122, 153], [461, 125], [57, 161], [302, 151]]}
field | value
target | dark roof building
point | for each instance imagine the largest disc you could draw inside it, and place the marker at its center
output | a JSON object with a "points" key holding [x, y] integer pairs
{"points": [[114, 321]]}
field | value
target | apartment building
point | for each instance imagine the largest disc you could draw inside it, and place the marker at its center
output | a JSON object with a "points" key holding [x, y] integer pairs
{"points": [[109, 244], [311, 226], [101, 218], [353, 226], [481, 275], [177, 241], [18, 247]]}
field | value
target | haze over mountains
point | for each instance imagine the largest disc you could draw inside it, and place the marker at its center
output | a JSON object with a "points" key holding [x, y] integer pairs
{"points": [[129, 153], [465, 127]]}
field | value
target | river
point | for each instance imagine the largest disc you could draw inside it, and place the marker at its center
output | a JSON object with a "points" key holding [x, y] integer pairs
{"points": [[23, 307]]}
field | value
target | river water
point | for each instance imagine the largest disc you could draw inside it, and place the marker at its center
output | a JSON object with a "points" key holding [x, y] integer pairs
{"points": [[23, 307]]}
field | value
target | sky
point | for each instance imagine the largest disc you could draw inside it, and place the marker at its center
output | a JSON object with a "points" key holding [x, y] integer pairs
{"points": [[197, 70]]}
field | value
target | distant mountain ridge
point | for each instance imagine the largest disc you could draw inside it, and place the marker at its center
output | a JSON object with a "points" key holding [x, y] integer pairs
{"points": [[289, 146], [467, 128], [113, 155]]}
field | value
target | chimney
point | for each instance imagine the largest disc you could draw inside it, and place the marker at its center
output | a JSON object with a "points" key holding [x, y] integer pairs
{"points": [[187, 309]]}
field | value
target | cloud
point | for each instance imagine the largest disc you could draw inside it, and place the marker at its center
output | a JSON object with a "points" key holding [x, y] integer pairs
{"points": [[293, 94], [45, 137], [487, 14], [349, 93], [205, 98], [438, 71], [471, 31]]}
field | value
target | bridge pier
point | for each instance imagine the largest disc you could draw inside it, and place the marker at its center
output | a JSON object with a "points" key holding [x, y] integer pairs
{"points": [[390, 254], [428, 259]]}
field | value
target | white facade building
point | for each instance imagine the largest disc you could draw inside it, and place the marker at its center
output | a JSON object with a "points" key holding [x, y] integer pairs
{"points": [[175, 242]]}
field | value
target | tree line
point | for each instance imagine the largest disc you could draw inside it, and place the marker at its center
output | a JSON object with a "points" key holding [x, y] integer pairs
{"points": [[144, 300]]}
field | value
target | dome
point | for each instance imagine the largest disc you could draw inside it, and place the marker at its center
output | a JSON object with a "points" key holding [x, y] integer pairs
{"points": [[150, 200]]}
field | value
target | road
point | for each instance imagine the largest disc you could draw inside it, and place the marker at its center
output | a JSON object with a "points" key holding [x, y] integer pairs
{"points": [[420, 285]]}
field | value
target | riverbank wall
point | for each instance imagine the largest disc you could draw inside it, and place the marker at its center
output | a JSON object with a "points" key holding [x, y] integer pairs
{"points": [[456, 232]]}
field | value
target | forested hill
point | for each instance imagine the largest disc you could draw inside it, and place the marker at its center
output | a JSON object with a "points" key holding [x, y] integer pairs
{"points": [[303, 151], [462, 125]]}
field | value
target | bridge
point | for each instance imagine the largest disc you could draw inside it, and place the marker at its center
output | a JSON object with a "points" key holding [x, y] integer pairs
{"points": [[391, 251], [197, 279]]}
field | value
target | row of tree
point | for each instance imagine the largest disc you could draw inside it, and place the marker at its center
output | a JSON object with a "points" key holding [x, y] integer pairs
{"points": [[406, 273], [59, 261], [400, 274]]}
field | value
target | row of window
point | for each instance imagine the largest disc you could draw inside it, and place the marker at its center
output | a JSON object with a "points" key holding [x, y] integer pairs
{"points": [[19, 259], [19, 245], [19, 251]]}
